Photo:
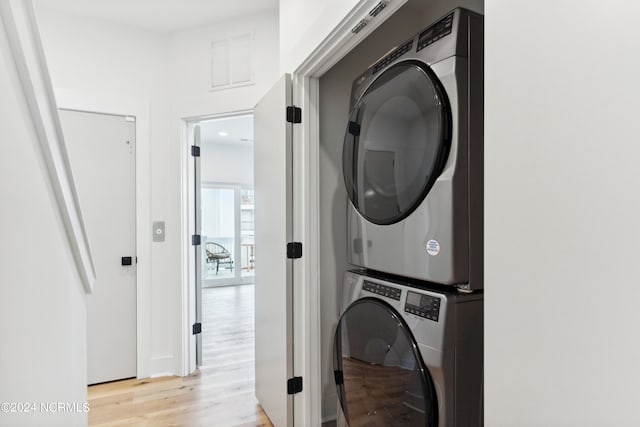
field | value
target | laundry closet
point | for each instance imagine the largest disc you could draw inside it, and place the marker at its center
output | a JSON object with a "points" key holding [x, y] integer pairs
{"points": [[415, 17]]}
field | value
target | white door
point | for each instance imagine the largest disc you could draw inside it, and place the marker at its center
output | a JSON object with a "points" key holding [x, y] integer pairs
{"points": [[102, 155], [273, 271], [197, 331]]}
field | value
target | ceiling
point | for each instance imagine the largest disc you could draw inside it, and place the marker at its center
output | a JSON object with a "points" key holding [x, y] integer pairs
{"points": [[165, 16], [238, 130]]}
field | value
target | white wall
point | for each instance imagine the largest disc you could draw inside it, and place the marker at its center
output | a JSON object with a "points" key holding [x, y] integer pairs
{"points": [[190, 61], [562, 206], [227, 163], [223, 164], [42, 306], [94, 57], [170, 73], [304, 24], [219, 212]]}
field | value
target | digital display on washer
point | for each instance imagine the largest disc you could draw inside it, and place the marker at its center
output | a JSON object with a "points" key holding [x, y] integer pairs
{"points": [[426, 306], [413, 299], [435, 32], [382, 290]]}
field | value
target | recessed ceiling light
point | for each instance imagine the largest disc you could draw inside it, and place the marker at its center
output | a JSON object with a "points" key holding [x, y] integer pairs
{"points": [[223, 133]]}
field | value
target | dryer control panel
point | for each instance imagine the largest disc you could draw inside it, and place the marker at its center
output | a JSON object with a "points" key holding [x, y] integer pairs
{"points": [[435, 32], [426, 306], [383, 290]]}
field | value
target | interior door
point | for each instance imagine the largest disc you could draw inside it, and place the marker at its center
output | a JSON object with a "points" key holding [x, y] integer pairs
{"points": [[102, 156], [198, 249], [273, 271]]}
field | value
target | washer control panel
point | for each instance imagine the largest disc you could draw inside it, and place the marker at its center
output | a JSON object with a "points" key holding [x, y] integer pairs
{"points": [[435, 32], [397, 53], [426, 306], [382, 290]]}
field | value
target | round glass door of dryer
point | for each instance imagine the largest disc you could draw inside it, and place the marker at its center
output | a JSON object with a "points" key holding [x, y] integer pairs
{"points": [[396, 143], [379, 372]]}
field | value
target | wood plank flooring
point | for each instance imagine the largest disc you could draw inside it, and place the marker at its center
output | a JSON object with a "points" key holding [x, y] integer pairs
{"points": [[220, 394]]}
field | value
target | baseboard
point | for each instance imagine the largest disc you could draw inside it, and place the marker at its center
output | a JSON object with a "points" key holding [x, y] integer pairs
{"points": [[162, 366]]}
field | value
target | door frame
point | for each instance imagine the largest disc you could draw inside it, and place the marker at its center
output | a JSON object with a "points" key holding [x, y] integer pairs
{"points": [[117, 105], [188, 304], [306, 196], [306, 178]]}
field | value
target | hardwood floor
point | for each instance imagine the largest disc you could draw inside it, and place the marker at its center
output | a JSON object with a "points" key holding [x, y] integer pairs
{"points": [[220, 394]]}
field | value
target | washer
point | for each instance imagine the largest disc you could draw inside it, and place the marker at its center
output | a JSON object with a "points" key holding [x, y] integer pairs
{"points": [[405, 356], [413, 157]]}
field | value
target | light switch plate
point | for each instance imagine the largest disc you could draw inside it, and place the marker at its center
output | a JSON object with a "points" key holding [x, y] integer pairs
{"points": [[158, 231]]}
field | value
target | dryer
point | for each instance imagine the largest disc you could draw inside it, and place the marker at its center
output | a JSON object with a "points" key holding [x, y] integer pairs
{"points": [[407, 356], [413, 157]]}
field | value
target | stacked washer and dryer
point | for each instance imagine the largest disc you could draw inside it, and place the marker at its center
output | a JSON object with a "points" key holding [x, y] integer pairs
{"points": [[408, 348]]}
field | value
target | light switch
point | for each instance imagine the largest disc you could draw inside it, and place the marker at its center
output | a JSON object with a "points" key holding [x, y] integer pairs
{"points": [[158, 231]]}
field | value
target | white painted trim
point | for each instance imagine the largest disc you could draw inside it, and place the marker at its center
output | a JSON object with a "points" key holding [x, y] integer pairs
{"points": [[163, 375], [341, 40], [140, 109], [26, 47], [187, 264], [307, 334], [199, 118], [307, 339]]}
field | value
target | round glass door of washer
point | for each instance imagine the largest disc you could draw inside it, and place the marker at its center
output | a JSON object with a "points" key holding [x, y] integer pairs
{"points": [[379, 372], [396, 143]]}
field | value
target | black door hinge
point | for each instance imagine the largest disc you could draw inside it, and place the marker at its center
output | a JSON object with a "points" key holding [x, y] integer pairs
{"points": [[294, 385], [338, 376], [195, 151], [294, 250], [294, 114], [197, 328], [354, 128], [195, 240]]}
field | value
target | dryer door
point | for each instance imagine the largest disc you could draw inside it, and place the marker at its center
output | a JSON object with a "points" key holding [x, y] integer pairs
{"points": [[380, 375], [397, 142]]}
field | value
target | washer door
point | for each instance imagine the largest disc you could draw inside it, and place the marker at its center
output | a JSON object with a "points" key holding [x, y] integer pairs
{"points": [[380, 375], [397, 142]]}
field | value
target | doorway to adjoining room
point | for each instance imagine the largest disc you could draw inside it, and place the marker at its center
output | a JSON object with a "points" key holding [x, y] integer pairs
{"points": [[227, 201], [225, 302]]}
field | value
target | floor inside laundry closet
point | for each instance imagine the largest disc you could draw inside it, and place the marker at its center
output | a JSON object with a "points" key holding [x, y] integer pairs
{"points": [[220, 394]]}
